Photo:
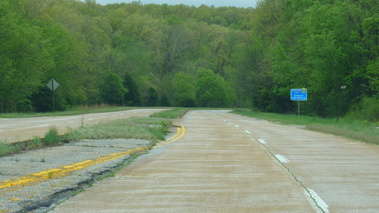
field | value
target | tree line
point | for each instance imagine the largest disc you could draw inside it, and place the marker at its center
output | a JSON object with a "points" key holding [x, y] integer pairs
{"points": [[162, 55]]}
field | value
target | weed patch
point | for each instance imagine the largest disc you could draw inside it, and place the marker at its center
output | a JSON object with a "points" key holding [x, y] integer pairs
{"points": [[52, 136], [36, 142], [4, 148]]}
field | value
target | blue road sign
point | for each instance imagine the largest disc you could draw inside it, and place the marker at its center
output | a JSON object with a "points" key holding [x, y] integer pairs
{"points": [[299, 94]]}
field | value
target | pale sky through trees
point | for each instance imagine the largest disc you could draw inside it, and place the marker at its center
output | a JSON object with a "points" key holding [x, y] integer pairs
{"points": [[216, 3]]}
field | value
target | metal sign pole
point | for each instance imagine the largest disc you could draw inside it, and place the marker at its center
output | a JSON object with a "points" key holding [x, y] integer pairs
{"points": [[52, 86], [298, 108]]}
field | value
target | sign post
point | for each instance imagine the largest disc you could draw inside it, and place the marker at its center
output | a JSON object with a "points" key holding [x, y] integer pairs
{"points": [[53, 85], [299, 95]]}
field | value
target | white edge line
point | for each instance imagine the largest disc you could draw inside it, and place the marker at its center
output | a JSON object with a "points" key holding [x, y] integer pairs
{"points": [[315, 199], [247, 131], [281, 158]]}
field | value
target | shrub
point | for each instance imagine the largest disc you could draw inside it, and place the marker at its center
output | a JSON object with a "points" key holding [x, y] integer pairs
{"points": [[52, 136], [368, 110]]}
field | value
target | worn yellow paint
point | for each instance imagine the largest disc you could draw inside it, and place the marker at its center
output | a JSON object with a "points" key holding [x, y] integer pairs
{"points": [[180, 132], [64, 170]]}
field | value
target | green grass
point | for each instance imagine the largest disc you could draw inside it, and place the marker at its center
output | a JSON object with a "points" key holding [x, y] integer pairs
{"points": [[173, 113], [4, 149], [138, 128], [346, 127]]}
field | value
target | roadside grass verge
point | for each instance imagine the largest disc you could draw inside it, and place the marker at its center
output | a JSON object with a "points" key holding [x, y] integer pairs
{"points": [[73, 111], [173, 113], [345, 127]]}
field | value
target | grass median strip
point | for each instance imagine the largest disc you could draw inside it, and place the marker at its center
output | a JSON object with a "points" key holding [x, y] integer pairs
{"points": [[345, 127]]}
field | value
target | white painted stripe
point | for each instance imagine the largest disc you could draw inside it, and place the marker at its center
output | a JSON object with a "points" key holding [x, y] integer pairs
{"points": [[247, 131], [319, 201], [237, 126], [282, 159], [37, 126], [262, 141]]}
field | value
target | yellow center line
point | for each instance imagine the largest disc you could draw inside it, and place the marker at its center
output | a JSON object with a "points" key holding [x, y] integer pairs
{"points": [[64, 170], [180, 132]]}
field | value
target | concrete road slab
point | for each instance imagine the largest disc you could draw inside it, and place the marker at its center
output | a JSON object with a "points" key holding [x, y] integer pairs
{"points": [[344, 173], [215, 167]]}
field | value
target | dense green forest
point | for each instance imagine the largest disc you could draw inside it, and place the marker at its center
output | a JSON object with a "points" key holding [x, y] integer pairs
{"points": [[162, 55]]}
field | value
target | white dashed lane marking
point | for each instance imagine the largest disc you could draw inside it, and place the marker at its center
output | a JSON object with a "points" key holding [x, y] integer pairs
{"points": [[262, 141], [320, 203], [281, 158]]}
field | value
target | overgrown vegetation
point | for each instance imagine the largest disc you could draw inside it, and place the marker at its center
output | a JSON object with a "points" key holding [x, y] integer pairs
{"points": [[347, 127], [178, 55], [4, 149], [173, 113]]}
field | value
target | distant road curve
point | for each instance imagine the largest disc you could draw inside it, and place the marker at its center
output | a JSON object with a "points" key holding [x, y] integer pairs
{"points": [[18, 129]]}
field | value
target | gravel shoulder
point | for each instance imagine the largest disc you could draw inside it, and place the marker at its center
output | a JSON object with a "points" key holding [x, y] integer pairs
{"points": [[41, 196]]}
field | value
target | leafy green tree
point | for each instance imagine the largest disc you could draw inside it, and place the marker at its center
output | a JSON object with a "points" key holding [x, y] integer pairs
{"points": [[184, 90], [177, 41], [24, 57], [153, 97], [212, 90], [132, 97], [114, 90]]}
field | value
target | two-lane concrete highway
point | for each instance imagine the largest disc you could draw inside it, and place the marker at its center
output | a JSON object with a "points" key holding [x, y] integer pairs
{"points": [[230, 163]]}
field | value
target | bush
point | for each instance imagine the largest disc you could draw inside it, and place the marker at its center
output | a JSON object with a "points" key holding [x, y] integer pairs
{"points": [[368, 110], [212, 90]]}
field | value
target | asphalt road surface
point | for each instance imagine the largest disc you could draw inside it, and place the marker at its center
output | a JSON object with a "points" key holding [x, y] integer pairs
{"points": [[18, 129], [230, 163]]}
